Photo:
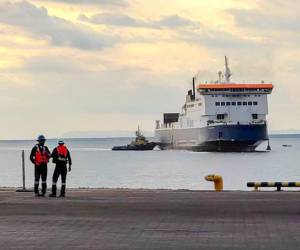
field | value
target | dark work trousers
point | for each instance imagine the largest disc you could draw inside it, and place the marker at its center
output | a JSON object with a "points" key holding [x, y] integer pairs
{"points": [[60, 170], [40, 172]]}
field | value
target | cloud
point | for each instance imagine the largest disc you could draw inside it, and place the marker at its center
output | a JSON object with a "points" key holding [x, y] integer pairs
{"points": [[260, 19], [115, 20], [121, 20], [280, 15], [58, 31], [186, 29], [80, 92], [211, 38], [50, 64], [175, 21], [95, 2], [275, 22]]}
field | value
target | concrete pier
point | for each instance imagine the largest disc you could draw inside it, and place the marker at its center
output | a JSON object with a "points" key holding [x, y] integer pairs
{"points": [[150, 219]]}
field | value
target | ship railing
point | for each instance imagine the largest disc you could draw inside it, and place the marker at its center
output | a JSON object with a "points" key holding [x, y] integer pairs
{"points": [[235, 91], [222, 122], [259, 121], [168, 126]]}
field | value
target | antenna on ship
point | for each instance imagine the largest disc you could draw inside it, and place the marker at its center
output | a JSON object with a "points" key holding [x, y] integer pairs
{"points": [[227, 71], [220, 76], [137, 133]]}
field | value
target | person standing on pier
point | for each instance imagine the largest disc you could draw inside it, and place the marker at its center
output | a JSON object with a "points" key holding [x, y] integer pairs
{"points": [[61, 157], [40, 155]]}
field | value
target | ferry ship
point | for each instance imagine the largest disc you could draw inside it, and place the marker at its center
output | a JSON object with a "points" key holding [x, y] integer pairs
{"points": [[218, 116]]}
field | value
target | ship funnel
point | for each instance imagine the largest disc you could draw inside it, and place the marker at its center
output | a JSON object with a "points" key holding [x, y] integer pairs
{"points": [[194, 90], [227, 70]]}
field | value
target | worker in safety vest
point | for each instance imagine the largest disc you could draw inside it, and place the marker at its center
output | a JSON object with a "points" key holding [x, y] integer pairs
{"points": [[40, 156], [61, 157]]}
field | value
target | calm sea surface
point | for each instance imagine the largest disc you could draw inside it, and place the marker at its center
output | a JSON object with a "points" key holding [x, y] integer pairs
{"points": [[95, 165]]}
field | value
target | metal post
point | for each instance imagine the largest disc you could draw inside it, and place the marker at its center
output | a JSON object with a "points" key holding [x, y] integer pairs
{"points": [[268, 147], [23, 169], [23, 189]]}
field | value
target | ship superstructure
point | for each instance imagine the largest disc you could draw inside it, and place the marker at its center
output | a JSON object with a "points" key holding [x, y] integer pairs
{"points": [[218, 116]]}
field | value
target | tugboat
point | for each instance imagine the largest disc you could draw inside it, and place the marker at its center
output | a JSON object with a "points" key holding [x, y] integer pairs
{"points": [[139, 144]]}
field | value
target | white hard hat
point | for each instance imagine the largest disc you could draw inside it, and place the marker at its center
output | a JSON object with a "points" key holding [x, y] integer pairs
{"points": [[61, 141]]}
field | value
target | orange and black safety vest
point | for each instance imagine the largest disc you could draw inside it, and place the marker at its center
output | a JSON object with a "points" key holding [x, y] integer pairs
{"points": [[62, 153], [41, 157]]}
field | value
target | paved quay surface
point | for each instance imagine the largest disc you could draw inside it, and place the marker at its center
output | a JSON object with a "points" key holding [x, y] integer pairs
{"points": [[150, 219]]}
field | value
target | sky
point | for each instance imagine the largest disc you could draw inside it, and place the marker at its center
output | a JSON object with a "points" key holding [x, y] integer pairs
{"points": [[88, 65]]}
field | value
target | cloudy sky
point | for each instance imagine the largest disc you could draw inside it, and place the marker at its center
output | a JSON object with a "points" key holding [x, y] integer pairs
{"points": [[80, 65]]}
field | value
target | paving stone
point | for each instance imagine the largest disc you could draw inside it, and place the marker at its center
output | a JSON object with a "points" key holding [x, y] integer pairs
{"points": [[151, 219]]}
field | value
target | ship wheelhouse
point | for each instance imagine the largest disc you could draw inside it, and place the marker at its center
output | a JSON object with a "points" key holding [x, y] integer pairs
{"points": [[235, 103]]}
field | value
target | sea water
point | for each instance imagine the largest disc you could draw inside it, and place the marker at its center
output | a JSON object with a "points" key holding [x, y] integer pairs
{"points": [[96, 166]]}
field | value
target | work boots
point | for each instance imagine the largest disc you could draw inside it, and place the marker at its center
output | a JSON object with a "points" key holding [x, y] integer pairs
{"points": [[53, 191], [63, 190], [44, 188]]}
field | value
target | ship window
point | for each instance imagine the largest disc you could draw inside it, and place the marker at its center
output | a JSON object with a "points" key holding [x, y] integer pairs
{"points": [[220, 117], [255, 103], [254, 116], [233, 103], [239, 103], [227, 103], [199, 104], [250, 103], [217, 104], [222, 103], [244, 103]]}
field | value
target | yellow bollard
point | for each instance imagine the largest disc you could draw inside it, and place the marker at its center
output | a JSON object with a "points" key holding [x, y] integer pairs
{"points": [[218, 181]]}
